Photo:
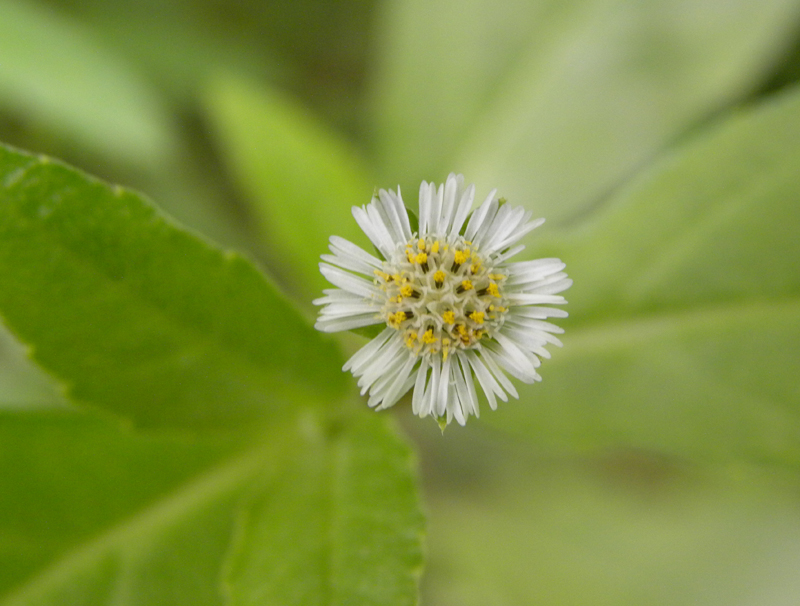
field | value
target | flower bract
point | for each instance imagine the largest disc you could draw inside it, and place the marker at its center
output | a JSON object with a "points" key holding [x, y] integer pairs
{"points": [[455, 309]]}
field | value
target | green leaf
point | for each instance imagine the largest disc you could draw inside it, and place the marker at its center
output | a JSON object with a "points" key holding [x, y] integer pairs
{"points": [[686, 306], [140, 317], [54, 74], [22, 384], [90, 514], [358, 541], [632, 530], [301, 178], [556, 103]]}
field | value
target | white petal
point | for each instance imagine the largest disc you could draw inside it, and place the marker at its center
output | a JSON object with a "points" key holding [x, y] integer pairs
{"points": [[419, 387], [451, 188], [486, 380], [349, 282], [444, 386], [424, 207], [377, 235], [488, 358], [348, 323], [436, 209], [368, 351], [476, 221], [464, 206], [345, 247]]}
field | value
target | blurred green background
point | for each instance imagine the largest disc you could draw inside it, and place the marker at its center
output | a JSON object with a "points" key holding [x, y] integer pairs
{"points": [[658, 462]]}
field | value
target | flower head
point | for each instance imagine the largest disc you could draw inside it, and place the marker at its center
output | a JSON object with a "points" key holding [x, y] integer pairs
{"points": [[454, 309]]}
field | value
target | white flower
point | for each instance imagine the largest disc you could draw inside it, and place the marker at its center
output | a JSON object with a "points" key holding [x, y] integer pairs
{"points": [[452, 304]]}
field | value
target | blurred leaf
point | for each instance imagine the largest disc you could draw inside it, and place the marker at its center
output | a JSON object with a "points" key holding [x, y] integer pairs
{"points": [[140, 317], [53, 73], [90, 514], [301, 178], [686, 306], [557, 102], [619, 532], [94, 515], [22, 384], [358, 540]]}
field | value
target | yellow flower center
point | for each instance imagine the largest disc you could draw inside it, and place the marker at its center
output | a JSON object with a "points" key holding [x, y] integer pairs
{"points": [[442, 295]]}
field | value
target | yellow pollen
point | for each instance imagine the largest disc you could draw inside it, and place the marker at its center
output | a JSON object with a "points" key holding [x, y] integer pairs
{"points": [[439, 276], [428, 337], [497, 276], [492, 290], [410, 338], [466, 285], [396, 319], [421, 244], [445, 348], [477, 317], [421, 258], [407, 291], [435, 247], [449, 317], [462, 330], [410, 255], [475, 267], [461, 256], [383, 275], [479, 334]]}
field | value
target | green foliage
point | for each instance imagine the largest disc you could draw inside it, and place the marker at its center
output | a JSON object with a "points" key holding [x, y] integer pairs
{"points": [[685, 306], [557, 102], [54, 73], [301, 179], [359, 537], [174, 431], [140, 317]]}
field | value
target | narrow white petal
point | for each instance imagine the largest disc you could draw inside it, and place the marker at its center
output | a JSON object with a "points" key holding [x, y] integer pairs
{"points": [[449, 202], [535, 299], [378, 365], [492, 223], [517, 234], [477, 218], [537, 313], [429, 400], [488, 358], [368, 351], [386, 207], [341, 246], [349, 308], [419, 387], [388, 241], [379, 238], [464, 386], [436, 209], [444, 386], [395, 391], [349, 282], [486, 380], [503, 224], [424, 207], [396, 201], [348, 262], [464, 206], [348, 323], [509, 253], [514, 353]]}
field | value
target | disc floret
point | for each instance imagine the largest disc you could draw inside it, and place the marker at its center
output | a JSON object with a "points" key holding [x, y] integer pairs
{"points": [[441, 295]]}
